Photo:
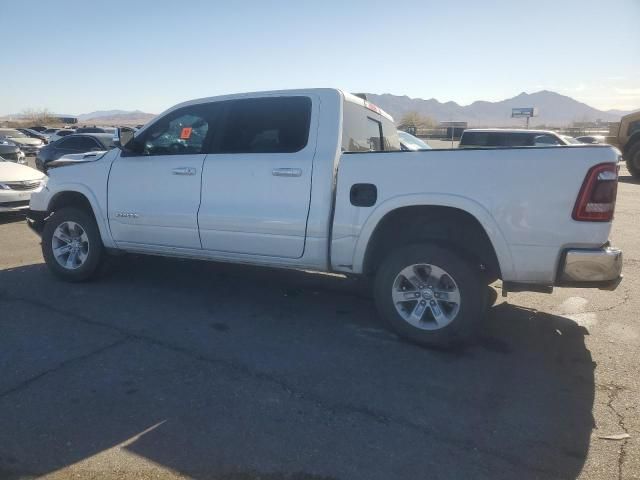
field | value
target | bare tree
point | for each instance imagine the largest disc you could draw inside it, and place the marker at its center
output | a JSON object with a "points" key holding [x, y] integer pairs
{"points": [[38, 117], [414, 121]]}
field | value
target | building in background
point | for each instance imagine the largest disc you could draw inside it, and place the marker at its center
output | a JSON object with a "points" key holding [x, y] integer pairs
{"points": [[453, 129]]}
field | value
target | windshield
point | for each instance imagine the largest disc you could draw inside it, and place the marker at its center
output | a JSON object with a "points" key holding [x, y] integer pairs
{"points": [[411, 142]]}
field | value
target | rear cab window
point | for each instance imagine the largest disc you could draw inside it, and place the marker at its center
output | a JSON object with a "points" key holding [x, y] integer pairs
{"points": [[366, 130]]}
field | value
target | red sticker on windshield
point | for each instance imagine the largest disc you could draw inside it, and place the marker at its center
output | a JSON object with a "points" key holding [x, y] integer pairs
{"points": [[186, 133]]}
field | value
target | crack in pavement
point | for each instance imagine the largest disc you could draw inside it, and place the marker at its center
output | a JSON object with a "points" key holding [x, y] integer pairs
{"points": [[613, 391], [622, 302], [309, 397], [24, 384]]}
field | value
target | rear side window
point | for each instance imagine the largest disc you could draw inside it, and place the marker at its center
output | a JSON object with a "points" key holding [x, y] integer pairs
{"points": [[363, 130], [373, 135], [266, 125], [390, 137]]}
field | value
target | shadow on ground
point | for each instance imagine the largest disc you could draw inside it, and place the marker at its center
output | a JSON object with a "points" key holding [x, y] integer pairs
{"points": [[12, 217], [232, 372], [628, 179]]}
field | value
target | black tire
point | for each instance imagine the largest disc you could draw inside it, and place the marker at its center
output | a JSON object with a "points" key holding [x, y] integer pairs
{"points": [[96, 253], [472, 292], [632, 159]]}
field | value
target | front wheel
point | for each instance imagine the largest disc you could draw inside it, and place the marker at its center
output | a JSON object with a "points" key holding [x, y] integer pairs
{"points": [[430, 295], [71, 245]]}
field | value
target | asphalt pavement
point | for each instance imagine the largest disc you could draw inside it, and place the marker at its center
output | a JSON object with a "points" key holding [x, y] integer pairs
{"points": [[170, 368]]}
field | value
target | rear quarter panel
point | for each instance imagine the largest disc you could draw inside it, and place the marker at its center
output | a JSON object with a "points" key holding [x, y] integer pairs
{"points": [[523, 197]]}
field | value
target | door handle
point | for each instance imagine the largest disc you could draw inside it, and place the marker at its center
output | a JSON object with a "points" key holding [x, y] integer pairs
{"points": [[184, 171], [286, 172]]}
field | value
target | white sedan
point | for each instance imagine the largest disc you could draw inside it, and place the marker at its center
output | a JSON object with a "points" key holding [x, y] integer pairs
{"points": [[17, 183]]}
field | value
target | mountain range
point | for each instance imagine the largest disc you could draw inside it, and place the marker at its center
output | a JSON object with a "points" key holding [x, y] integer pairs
{"points": [[116, 117], [554, 109]]}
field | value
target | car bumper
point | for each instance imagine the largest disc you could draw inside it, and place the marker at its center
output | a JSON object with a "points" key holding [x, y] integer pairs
{"points": [[14, 200], [30, 150], [36, 220], [595, 268], [14, 206]]}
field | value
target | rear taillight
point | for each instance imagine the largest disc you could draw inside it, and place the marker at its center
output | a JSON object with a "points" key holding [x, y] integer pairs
{"points": [[597, 198]]}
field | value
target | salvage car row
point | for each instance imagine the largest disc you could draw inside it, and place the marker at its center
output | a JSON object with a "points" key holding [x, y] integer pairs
{"points": [[18, 143]]}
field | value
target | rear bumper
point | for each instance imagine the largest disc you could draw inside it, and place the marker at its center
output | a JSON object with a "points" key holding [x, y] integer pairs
{"points": [[591, 268], [36, 220]]}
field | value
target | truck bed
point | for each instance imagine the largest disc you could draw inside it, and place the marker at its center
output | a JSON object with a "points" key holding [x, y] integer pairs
{"points": [[523, 198]]}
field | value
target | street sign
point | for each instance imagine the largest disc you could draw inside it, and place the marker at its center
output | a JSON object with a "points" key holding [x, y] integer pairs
{"points": [[524, 112]]}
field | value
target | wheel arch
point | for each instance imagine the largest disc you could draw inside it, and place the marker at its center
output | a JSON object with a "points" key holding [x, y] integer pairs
{"points": [[459, 215], [79, 196]]}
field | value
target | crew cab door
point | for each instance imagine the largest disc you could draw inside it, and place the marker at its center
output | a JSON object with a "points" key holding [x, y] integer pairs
{"points": [[154, 190], [256, 186]]}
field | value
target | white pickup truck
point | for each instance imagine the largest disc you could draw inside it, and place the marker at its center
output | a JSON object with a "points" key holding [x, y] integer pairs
{"points": [[315, 179]]}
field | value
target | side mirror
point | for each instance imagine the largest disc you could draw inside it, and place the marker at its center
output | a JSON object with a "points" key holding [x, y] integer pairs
{"points": [[125, 135]]}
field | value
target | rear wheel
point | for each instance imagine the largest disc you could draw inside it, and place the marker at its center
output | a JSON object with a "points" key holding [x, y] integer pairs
{"points": [[430, 295], [632, 158], [71, 245]]}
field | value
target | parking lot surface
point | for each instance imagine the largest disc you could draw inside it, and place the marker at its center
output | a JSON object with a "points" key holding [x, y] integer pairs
{"points": [[168, 369]]}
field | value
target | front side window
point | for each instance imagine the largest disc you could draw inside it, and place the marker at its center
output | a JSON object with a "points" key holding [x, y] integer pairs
{"points": [[180, 133], [266, 125]]}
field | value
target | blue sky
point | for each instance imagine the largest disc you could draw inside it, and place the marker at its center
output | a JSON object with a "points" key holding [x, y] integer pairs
{"points": [[79, 56]]}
